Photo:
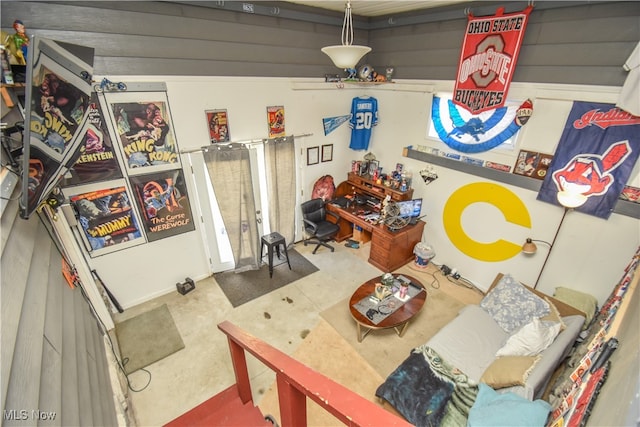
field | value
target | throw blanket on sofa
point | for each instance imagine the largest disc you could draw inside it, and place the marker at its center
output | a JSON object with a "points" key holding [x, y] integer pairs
{"points": [[428, 391]]}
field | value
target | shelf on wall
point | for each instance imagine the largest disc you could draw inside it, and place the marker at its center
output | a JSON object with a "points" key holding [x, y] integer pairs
{"points": [[351, 85], [622, 207]]}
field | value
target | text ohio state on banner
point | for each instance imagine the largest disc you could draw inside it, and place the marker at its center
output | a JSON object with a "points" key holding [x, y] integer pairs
{"points": [[488, 58]]}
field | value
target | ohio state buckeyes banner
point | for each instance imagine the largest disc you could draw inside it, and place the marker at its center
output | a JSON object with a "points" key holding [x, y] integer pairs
{"points": [[489, 54], [595, 156]]}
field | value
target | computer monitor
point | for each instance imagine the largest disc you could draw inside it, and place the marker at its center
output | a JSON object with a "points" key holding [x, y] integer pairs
{"points": [[417, 208]]}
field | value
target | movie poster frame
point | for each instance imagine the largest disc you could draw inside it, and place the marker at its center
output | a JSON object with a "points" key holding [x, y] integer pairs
{"points": [[209, 114], [147, 217], [72, 192], [129, 99], [274, 128], [46, 54]]}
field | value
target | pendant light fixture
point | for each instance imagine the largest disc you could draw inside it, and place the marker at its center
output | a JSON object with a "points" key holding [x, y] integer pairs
{"points": [[346, 55]]}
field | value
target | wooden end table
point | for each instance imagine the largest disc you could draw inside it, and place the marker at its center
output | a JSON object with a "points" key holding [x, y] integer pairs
{"points": [[398, 320]]}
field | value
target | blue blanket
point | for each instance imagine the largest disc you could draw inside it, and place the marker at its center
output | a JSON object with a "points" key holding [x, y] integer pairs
{"points": [[428, 391]]}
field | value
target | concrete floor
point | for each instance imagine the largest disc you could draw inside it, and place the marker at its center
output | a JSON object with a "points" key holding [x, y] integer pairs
{"points": [[282, 318]]}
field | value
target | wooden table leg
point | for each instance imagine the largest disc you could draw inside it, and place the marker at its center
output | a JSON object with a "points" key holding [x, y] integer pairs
{"points": [[403, 329]]}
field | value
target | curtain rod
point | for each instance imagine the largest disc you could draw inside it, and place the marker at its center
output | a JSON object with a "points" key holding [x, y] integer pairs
{"points": [[244, 142]]}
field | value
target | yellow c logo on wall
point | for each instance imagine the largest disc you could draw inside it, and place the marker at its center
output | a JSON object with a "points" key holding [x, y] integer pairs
{"points": [[506, 201]]}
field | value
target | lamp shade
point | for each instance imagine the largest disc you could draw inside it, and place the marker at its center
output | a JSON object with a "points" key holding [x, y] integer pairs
{"points": [[346, 56], [529, 247], [571, 199]]}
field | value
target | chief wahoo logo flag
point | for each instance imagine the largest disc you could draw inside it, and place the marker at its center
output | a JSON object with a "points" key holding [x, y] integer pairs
{"points": [[596, 153]]}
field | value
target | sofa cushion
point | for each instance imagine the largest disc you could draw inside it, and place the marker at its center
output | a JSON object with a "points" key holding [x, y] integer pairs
{"points": [[508, 371], [584, 302], [469, 342], [532, 339], [554, 315], [512, 306]]}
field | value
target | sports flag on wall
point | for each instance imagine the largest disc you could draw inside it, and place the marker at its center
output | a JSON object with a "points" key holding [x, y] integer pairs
{"points": [[476, 133], [488, 59], [332, 123], [596, 153]]}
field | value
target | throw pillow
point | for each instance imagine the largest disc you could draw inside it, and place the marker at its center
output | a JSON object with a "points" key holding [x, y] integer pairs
{"points": [[554, 315], [586, 303], [506, 409], [512, 305], [509, 371], [532, 339]]}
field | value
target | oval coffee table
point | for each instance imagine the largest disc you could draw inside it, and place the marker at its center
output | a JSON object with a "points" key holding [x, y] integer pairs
{"points": [[398, 320]]}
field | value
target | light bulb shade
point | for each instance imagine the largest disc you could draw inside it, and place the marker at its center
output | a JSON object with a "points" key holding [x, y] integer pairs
{"points": [[346, 56], [529, 247], [571, 199]]}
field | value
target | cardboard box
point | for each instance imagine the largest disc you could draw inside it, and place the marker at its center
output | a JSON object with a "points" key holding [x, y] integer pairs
{"points": [[361, 235]]}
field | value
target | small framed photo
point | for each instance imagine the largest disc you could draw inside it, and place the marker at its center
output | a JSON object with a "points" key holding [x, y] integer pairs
{"points": [[327, 152], [364, 168], [373, 166], [313, 155]]}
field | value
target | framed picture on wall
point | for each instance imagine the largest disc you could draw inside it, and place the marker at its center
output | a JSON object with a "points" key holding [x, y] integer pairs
{"points": [[218, 124], [327, 152], [106, 219], [313, 154], [146, 138], [275, 120]]}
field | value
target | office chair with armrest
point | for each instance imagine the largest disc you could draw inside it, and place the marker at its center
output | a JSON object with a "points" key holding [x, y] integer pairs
{"points": [[316, 225]]}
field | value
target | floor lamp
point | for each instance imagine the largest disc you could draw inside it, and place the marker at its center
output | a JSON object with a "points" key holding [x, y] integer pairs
{"points": [[569, 201]]}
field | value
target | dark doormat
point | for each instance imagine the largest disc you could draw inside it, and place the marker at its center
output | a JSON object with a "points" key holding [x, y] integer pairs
{"points": [[147, 338], [248, 285]]}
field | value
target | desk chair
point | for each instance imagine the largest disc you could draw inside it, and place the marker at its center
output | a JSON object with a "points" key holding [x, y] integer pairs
{"points": [[314, 215]]}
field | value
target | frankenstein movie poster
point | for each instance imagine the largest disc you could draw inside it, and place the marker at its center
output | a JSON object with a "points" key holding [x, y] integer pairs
{"points": [[145, 134], [106, 218], [164, 203], [95, 160]]}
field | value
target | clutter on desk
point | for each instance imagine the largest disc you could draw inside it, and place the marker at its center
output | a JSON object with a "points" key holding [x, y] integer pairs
{"points": [[399, 179]]}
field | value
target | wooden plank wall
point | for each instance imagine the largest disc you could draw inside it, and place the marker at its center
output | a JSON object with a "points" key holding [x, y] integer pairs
{"points": [[53, 359], [566, 42], [580, 44]]}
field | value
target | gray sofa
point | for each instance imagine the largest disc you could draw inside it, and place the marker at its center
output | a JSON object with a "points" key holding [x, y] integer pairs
{"points": [[438, 383], [471, 340]]}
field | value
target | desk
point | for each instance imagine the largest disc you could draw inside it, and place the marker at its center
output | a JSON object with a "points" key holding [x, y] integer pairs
{"points": [[390, 250]]}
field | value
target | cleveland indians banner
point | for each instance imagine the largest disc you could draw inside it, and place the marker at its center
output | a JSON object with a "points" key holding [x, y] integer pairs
{"points": [[595, 156], [488, 58]]}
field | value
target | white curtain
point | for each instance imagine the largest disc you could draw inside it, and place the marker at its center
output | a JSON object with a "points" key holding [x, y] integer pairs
{"points": [[279, 154], [229, 168]]}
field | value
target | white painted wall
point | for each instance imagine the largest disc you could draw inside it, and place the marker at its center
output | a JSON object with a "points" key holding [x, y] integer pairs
{"points": [[589, 255]]}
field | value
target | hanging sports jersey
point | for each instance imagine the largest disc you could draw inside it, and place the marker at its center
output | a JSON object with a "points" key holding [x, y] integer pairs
{"points": [[364, 115]]}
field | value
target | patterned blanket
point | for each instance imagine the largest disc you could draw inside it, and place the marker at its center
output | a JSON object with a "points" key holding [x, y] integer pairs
{"points": [[428, 391]]}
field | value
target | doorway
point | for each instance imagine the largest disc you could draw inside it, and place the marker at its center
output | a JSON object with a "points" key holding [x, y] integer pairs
{"points": [[263, 172]]}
